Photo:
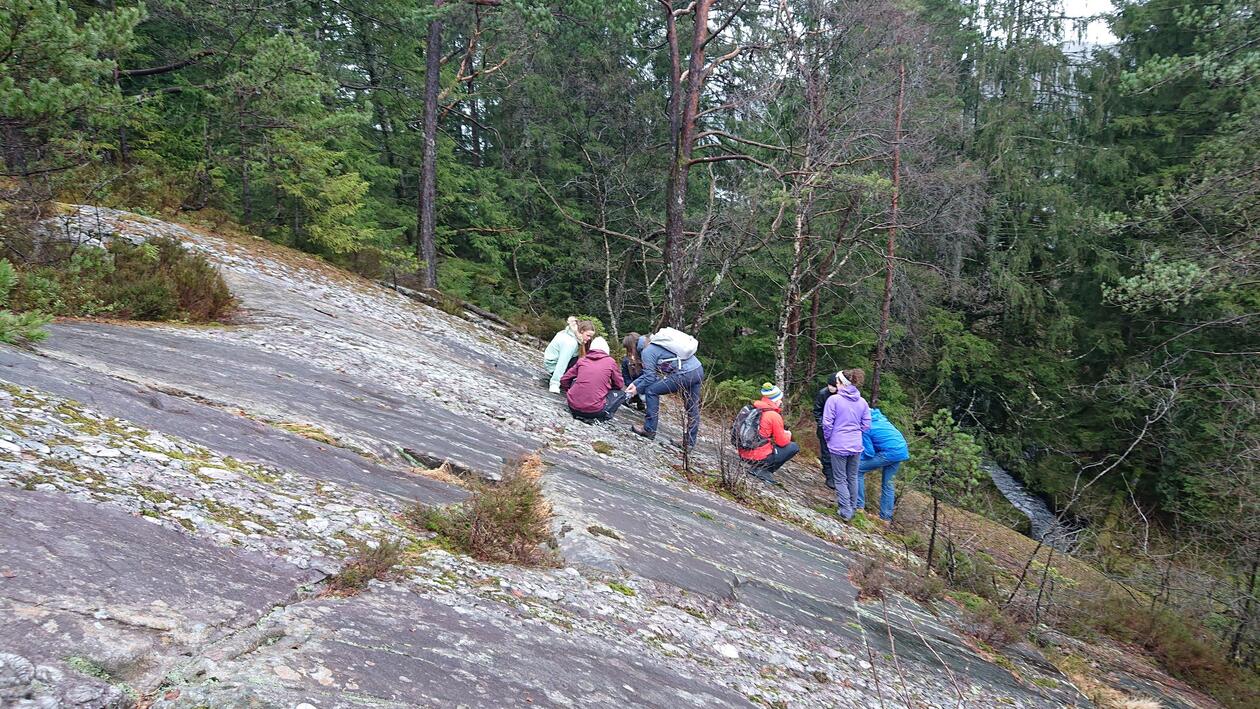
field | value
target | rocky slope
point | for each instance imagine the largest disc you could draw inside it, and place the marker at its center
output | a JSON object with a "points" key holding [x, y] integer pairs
{"points": [[172, 498]]}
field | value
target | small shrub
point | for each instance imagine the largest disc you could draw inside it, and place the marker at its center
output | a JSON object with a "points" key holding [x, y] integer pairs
{"points": [[156, 280], [974, 573], [1181, 651], [728, 395], [367, 564], [987, 623], [509, 522], [193, 284], [17, 328], [145, 298], [541, 326], [870, 578], [923, 589], [600, 330]]}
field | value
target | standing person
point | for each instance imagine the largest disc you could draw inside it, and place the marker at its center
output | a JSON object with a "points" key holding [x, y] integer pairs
{"points": [[564, 349], [778, 447], [820, 403], [845, 417], [669, 365], [883, 447], [594, 385], [631, 367]]}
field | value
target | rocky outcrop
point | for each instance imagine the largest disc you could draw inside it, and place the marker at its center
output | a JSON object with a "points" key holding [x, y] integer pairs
{"points": [[174, 496]]}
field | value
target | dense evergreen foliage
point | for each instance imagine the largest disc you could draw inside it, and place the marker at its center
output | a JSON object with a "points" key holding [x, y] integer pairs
{"points": [[1074, 270]]}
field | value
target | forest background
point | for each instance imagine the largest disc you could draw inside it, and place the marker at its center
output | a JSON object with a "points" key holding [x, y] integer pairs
{"points": [[1053, 240]]}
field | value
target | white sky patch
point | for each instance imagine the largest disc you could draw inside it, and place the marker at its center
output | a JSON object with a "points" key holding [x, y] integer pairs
{"points": [[1097, 33]]}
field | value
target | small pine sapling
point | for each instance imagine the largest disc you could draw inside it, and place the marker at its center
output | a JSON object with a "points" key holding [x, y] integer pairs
{"points": [[18, 328]]}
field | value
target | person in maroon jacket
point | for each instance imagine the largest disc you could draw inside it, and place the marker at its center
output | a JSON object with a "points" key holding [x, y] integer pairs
{"points": [[594, 385]]}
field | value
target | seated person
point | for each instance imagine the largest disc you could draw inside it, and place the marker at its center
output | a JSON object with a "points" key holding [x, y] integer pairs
{"points": [[778, 447], [565, 349], [631, 367], [594, 385]]}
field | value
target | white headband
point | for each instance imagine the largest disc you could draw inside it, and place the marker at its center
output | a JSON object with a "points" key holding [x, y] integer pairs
{"points": [[843, 380]]}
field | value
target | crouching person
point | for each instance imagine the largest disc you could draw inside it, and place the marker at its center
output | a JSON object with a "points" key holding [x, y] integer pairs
{"points": [[776, 445], [594, 384]]}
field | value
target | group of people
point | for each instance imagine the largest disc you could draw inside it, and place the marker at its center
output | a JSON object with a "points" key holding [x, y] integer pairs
{"points": [[853, 438], [582, 368]]}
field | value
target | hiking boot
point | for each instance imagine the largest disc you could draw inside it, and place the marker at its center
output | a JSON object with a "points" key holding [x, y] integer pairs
{"points": [[638, 430], [767, 479], [831, 484]]}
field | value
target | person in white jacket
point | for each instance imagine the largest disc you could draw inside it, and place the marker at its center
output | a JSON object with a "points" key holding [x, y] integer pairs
{"points": [[565, 348]]}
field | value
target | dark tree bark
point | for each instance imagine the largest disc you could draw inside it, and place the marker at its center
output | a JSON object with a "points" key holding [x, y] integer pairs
{"points": [[166, 68], [426, 214], [881, 346], [683, 107], [811, 370], [1236, 642]]}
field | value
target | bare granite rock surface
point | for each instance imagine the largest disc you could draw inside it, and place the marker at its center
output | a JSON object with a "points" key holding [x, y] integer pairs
{"points": [[173, 496]]}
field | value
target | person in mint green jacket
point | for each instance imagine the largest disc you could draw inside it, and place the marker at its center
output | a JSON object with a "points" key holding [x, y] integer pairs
{"points": [[565, 349]]}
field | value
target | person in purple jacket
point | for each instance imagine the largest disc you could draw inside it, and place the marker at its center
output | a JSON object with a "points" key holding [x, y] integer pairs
{"points": [[845, 417]]}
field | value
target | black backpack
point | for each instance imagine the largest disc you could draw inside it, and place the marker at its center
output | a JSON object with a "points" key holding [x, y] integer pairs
{"points": [[746, 430]]}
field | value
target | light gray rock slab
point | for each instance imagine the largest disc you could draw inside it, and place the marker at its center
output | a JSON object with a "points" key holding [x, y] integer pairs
{"points": [[108, 590], [218, 430], [392, 647]]}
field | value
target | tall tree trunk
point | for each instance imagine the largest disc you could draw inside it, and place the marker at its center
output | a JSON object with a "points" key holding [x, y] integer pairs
{"points": [[426, 213], [1236, 642], [811, 369], [794, 347], [124, 151], [881, 346], [936, 505], [791, 297], [247, 200], [682, 117]]}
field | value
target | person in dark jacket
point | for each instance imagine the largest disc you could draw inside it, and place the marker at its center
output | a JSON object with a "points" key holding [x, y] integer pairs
{"points": [[631, 367], [594, 384], [820, 403], [778, 448], [883, 447]]}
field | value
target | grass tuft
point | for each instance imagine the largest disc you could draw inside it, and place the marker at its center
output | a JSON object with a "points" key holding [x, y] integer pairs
{"points": [[508, 522], [870, 578], [621, 588], [367, 564]]}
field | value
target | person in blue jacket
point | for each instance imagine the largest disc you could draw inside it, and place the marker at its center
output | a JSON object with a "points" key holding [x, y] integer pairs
{"points": [[882, 447], [663, 374]]}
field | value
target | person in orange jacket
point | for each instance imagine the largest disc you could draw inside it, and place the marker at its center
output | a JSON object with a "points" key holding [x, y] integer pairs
{"points": [[778, 447]]}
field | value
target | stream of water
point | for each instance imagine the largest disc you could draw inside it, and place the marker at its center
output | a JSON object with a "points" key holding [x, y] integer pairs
{"points": [[1045, 525]]}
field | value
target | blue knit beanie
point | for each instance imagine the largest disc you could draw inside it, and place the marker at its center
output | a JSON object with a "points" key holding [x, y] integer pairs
{"points": [[772, 392]]}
